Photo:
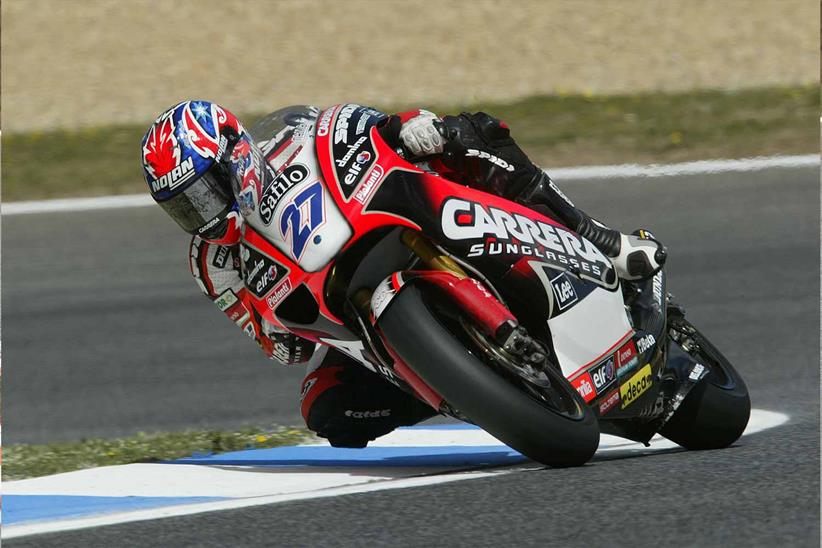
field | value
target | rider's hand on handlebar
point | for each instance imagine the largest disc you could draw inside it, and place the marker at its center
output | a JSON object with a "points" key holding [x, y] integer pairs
{"points": [[421, 135]]}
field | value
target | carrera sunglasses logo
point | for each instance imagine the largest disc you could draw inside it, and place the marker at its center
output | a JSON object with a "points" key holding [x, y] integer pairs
{"points": [[465, 220], [325, 122]]}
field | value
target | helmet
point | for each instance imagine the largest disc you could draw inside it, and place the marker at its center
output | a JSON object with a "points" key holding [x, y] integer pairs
{"points": [[187, 164]]}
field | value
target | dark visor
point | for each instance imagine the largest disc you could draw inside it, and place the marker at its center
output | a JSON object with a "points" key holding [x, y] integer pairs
{"points": [[203, 203]]}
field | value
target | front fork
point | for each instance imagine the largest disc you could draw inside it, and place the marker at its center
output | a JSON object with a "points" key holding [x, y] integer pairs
{"points": [[468, 294]]}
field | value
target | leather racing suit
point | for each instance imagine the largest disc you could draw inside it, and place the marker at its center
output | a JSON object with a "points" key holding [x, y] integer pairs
{"points": [[340, 399]]}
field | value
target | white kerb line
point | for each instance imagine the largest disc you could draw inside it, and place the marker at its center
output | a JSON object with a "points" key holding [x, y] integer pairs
{"points": [[560, 174]]}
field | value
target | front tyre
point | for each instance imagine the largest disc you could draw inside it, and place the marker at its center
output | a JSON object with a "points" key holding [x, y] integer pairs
{"points": [[440, 351], [715, 412]]}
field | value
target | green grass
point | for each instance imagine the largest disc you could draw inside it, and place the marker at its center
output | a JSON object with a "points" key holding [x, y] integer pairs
{"points": [[554, 130], [26, 461]]}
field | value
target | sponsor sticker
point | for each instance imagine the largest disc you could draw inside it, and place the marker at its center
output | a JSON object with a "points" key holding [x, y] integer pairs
{"points": [[635, 386], [341, 127], [626, 358], [225, 300], [585, 386], [604, 375], [514, 234], [564, 291], [609, 402], [325, 122], [696, 372], [473, 153], [285, 181], [353, 151], [238, 313], [656, 288], [369, 185], [261, 272], [174, 178], [375, 414], [644, 343], [221, 256], [279, 294]]}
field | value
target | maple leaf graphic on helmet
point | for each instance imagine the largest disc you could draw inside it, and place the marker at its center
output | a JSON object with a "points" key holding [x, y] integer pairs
{"points": [[161, 152]]}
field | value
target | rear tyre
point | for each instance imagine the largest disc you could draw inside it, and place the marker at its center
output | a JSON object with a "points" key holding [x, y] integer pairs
{"points": [[715, 412], [557, 429]]}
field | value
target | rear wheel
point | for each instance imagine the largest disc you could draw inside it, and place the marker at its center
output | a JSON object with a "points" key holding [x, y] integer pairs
{"points": [[539, 415], [715, 412]]}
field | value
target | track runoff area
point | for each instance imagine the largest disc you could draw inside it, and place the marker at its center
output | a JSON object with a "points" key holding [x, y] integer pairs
{"points": [[409, 457]]}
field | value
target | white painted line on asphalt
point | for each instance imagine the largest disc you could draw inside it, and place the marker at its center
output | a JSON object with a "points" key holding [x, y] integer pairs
{"points": [[76, 204], [359, 480], [560, 174], [702, 167], [12, 531]]}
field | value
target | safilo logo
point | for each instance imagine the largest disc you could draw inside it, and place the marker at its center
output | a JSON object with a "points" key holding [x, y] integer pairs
{"points": [[175, 177]]}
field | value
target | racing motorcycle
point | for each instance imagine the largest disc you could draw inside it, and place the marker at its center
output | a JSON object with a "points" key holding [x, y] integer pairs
{"points": [[487, 310]]}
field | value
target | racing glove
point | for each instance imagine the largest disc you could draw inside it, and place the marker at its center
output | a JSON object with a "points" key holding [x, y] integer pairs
{"points": [[421, 136]]}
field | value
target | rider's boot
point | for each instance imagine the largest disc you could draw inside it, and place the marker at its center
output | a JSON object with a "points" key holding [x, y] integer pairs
{"points": [[635, 257]]}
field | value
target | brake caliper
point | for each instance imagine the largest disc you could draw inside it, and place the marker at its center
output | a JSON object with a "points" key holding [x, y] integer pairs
{"points": [[516, 341]]}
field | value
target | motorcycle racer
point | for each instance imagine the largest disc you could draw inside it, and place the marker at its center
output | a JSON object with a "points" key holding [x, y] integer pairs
{"points": [[195, 150]]}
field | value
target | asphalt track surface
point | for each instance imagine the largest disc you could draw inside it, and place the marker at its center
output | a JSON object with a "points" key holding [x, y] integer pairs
{"points": [[105, 334]]}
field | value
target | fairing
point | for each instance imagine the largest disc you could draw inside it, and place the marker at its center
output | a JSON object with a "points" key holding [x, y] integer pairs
{"points": [[335, 184]]}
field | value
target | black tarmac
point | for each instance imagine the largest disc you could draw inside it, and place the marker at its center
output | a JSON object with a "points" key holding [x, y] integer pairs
{"points": [[105, 334]]}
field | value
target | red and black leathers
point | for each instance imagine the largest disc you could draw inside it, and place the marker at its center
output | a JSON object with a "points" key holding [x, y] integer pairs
{"points": [[341, 400]]}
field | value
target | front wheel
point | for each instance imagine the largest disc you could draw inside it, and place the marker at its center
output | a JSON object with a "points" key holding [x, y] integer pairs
{"points": [[715, 412], [549, 422]]}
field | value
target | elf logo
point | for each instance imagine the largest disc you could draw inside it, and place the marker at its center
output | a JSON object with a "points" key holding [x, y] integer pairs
{"points": [[604, 374]]}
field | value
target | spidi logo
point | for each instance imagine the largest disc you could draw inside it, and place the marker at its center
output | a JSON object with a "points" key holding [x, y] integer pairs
{"points": [[341, 129], [325, 122]]}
